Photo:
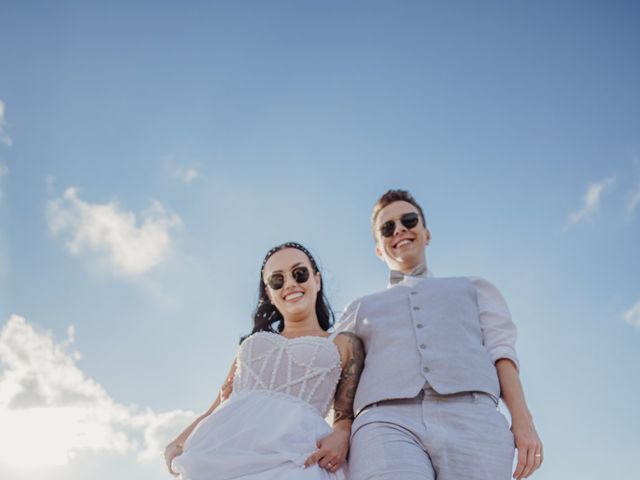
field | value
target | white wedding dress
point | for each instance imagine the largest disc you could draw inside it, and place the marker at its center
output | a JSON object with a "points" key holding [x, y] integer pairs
{"points": [[282, 390]]}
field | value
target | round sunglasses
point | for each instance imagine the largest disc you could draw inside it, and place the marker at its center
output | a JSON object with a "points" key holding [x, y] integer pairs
{"points": [[299, 275], [408, 220]]}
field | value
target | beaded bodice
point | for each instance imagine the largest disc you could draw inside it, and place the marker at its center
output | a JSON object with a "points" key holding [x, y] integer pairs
{"points": [[307, 368]]}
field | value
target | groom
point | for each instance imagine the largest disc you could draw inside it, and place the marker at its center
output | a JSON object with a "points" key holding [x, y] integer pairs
{"points": [[439, 354]]}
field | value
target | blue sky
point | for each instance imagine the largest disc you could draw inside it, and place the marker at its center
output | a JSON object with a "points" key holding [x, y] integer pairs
{"points": [[150, 154]]}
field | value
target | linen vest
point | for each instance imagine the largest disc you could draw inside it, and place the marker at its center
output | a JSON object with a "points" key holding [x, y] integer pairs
{"points": [[429, 333]]}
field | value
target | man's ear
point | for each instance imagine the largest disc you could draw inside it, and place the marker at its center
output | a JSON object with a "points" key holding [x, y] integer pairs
{"points": [[379, 252], [427, 238]]}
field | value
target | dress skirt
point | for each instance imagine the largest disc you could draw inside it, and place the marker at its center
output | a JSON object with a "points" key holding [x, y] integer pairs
{"points": [[256, 435]]}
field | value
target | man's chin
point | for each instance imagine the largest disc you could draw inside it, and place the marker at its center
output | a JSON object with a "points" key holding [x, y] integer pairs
{"points": [[405, 263], [402, 266]]}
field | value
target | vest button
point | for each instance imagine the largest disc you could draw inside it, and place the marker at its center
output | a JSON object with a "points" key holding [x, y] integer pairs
{"points": [[414, 293], [423, 346], [425, 369], [416, 308], [419, 325]]}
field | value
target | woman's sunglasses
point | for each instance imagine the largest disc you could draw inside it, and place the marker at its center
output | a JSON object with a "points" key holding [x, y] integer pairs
{"points": [[299, 275], [408, 220]]}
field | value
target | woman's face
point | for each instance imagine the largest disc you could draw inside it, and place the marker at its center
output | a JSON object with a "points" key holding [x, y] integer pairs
{"points": [[294, 300]]}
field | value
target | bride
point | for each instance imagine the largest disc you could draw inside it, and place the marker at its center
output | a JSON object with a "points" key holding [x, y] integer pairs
{"points": [[285, 378]]}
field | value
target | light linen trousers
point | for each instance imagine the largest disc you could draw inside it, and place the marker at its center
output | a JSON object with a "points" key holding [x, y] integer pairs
{"points": [[432, 437]]}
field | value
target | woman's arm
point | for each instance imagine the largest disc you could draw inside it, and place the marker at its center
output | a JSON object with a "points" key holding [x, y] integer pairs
{"points": [[332, 449], [175, 448], [524, 432]]}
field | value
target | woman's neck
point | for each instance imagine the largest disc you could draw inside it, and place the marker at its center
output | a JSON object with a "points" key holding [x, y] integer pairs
{"points": [[299, 328]]}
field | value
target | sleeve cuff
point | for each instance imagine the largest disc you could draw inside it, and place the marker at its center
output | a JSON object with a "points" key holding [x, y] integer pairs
{"points": [[504, 351]]}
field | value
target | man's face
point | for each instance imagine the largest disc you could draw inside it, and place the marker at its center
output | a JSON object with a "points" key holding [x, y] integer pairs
{"points": [[403, 250]]}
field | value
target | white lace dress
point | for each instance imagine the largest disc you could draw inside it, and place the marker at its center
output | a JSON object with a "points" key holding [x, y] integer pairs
{"points": [[282, 390]]}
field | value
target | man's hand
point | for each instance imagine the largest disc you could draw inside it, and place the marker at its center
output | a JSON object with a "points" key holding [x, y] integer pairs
{"points": [[529, 448], [524, 433], [332, 451]]}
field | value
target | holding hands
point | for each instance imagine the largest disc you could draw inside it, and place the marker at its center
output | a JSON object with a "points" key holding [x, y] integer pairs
{"points": [[332, 450]]}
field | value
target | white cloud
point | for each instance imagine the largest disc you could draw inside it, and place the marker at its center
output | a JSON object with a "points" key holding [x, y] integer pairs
{"points": [[188, 175], [591, 200], [51, 412], [175, 166], [632, 316], [113, 234], [4, 138]]}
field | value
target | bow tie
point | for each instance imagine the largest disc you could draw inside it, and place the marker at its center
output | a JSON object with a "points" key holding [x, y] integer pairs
{"points": [[396, 276]]}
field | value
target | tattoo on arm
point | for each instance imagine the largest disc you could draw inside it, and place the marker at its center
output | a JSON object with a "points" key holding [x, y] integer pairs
{"points": [[346, 389]]}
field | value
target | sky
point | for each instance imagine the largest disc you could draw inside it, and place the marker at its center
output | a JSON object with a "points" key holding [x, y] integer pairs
{"points": [[152, 152]]}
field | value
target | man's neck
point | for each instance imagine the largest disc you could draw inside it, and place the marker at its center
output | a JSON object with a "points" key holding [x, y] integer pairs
{"points": [[417, 270]]}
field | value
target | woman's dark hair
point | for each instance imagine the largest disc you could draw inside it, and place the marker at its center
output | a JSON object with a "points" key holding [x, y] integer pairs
{"points": [[267, 318]]}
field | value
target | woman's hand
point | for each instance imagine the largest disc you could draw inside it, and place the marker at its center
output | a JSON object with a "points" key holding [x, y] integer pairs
{"points": [[172, 451], [175, 448], [332, 450]]}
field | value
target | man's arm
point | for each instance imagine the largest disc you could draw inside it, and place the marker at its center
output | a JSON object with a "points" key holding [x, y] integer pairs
{"points": [[499, 335], [524, 432], [348, 320]]}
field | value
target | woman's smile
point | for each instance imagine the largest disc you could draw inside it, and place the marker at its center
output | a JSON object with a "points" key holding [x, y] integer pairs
{"points": [[293, 296]]}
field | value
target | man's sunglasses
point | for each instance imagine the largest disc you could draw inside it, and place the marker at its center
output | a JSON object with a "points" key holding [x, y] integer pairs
{"points": [[408, 220], [299, 275]]}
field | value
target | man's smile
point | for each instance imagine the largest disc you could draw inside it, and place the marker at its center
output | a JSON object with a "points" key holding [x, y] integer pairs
{"points": [[403, 242]]}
